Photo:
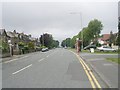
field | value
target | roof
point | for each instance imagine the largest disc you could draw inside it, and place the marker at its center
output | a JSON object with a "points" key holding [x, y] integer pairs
{"points": [[105, 37], [3, 32], [11, 34]]}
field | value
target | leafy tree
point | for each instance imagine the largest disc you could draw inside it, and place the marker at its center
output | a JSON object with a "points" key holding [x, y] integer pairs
{"points": [[63, 44], [47, 41], [31, 45], [68, 42], [112, 38], [73, 41], [118, 39], [4, 46], [87, 34], [55, 43], [94, 28]]}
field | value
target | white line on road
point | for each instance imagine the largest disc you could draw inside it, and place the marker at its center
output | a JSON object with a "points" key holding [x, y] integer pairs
{"points": [[41, 60], [14, 59], [22, 69], [47, 56]]}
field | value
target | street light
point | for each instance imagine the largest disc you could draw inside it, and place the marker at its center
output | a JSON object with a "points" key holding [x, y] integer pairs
{"points": [[79, 13]]}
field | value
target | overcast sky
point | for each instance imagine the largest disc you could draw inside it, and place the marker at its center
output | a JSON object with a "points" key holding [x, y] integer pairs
{"points": [[36, 18]]}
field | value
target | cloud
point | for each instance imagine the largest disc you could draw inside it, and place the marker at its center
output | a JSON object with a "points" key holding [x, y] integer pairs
{"points": [[37, 18]]}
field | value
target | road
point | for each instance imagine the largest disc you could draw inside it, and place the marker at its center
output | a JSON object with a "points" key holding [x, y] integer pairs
{"points": [[107, 70], [57, 68], [53, 69]]}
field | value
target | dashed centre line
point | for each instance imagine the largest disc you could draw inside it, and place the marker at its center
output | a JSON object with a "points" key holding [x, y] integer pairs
{"points": [[22, 69], [41, 59]]}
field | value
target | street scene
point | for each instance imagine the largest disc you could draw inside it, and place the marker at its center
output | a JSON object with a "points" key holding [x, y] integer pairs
{"points": [[60, 45]]}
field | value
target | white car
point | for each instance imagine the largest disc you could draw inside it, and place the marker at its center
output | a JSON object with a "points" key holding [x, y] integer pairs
{"points": [[106, 48], [44, 49]]}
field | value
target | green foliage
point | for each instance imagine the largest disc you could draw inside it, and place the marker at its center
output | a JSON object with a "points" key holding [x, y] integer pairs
{"points": [[55, 43], [21, 45], [31, 45], [73, 41], [118, 39], [4, 46], [87, 34], [47, 40], [66, 42]]}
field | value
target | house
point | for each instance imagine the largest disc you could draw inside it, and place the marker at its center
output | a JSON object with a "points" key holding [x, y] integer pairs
{"points": [[106, 39], [4, 36], [14, 37]]}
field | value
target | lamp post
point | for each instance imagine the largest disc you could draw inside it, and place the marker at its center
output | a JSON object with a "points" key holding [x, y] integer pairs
{"points": [[79, 13]]}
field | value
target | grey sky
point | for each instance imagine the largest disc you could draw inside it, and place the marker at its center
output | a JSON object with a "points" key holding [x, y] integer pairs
{"points": [[54, 17]]}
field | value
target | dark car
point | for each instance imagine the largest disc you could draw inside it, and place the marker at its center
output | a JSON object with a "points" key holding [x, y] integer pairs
{"points": [[90, 46]]}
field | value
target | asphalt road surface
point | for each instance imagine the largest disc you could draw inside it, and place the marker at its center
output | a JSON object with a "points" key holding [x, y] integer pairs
{"points": [[57, 68], [107, 70]]}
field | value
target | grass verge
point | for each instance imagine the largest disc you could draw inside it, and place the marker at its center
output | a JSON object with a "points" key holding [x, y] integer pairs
{"points": [[116, 60]]}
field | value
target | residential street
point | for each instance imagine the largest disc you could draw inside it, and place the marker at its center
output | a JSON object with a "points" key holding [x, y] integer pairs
{"points": [[58, 68]]}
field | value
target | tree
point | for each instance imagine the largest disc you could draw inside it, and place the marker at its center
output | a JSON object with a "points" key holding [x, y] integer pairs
{"points": [[46, 40], [111, 39], [4, 46], [68, 42], [118, 39], [55, 43], [31, 45], [73, 41], [94, 28], [63, 44], [91, 32]]}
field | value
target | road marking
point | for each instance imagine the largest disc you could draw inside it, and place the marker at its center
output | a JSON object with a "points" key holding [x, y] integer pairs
{"points": [[47, 56], [22, 69], [41, 60], [107, 64], [14, 59], [85, 69], [90, 75]]}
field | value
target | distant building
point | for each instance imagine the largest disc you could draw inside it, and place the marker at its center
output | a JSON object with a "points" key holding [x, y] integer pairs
{"points": [[105, 39]]}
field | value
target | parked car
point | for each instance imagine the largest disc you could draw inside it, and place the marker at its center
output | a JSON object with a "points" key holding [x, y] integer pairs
{"points": [[44, 49], [106, 48], [90, 46]]}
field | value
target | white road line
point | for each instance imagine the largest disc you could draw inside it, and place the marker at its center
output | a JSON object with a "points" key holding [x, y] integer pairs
{"points": [[41, 60], [14, 59], [22, 69]]}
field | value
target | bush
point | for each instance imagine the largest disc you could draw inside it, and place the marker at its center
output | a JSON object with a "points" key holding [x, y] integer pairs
{"points": [[4, 46]]}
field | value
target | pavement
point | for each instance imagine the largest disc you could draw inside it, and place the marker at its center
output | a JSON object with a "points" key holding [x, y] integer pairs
{"points": [[58, 68], [108, 71]]}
